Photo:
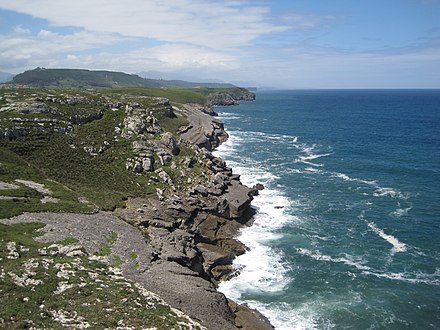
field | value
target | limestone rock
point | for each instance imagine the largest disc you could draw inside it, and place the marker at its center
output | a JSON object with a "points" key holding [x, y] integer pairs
{"points": [[133, 125], [170, 142], [249, 319], [238, 198], [36, 107]]}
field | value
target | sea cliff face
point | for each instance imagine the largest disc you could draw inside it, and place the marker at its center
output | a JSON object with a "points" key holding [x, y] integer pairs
{"points": [[176, 207], [231, 97]]}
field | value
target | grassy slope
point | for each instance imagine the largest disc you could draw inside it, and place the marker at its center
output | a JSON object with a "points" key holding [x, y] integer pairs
{"points": [[59, 161]]}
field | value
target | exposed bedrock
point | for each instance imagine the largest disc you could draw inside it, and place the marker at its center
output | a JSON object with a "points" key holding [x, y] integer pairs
{"points": [[203, 130]]}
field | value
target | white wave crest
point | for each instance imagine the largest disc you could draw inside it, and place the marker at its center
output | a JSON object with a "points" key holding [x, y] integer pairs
{"points": [[347, 259], [285, 317], [390, 192], [345, 177], [399, 212], [313, 156], [414, 278], [397, 245]]}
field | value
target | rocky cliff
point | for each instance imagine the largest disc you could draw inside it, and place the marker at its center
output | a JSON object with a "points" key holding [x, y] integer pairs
{"points": [[230, 97], [176, 207]]}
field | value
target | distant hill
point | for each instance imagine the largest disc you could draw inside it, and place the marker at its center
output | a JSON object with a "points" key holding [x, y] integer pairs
{"points": [[79, 78], [182, 80], [182, 83], [5, 77]]}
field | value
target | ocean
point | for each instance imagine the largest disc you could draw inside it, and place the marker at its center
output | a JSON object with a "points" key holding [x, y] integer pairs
{"points": [[347, 234]]}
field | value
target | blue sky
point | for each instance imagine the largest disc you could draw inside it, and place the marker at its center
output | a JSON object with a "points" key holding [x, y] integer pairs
{"points": [[286, 44]]}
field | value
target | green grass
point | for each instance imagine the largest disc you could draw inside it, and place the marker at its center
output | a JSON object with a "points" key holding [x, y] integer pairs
{"points": [[177, 95], [28, 200], [92, 293], [106, 248]]}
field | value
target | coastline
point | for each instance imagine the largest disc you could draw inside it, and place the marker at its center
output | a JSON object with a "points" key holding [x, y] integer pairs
{"points": [[189, 231]]}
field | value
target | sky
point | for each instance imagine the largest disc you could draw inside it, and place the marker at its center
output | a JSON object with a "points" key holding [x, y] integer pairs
{"points": [[273, 43]]}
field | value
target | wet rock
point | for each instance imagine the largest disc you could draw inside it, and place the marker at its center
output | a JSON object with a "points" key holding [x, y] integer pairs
{"points": [[249, 319]]}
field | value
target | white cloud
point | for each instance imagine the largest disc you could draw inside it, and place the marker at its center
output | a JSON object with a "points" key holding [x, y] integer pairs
{"points": [[164, 58], [214, 24], [21, 50], [178, 56]]}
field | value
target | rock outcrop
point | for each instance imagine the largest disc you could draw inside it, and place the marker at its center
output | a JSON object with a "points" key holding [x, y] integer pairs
{"points": [[203, 130], [230, 97]]}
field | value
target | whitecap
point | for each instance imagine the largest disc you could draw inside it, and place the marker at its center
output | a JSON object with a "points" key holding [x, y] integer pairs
{"points": [[311, 170], [346, 259], [397, 245], [308, 163], [228, 115], [313, 156], [345, 177], [414, 278], [399, 212], [285, 317], [389, 192]]}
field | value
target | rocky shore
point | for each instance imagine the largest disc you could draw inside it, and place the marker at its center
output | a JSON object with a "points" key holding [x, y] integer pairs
{"points": [[191, 235], [179, 242]]}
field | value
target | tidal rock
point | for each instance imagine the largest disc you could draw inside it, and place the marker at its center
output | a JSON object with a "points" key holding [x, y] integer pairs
{"points": [[248, 318], [238, 198]]}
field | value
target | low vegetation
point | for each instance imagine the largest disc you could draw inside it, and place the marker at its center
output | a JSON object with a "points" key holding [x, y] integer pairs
{"points": [[79, 181], [53, 286]]}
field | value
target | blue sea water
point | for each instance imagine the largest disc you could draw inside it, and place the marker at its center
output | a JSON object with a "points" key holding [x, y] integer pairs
{"points": [[347, 234]]}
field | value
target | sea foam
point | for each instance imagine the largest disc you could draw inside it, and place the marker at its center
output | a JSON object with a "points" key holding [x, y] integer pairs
{"points": [[261, 269], [397, 245]]}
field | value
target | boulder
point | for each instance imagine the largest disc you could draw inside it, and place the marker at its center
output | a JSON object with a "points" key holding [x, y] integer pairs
{"points": [[248, 318], [133, 125], [238, 198], [147, 163], [170, 143], [164, 157]]}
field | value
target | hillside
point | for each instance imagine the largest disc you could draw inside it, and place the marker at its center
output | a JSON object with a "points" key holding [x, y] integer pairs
{"points": [[78, 78]]}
